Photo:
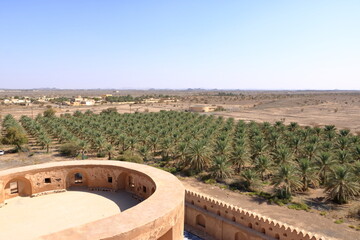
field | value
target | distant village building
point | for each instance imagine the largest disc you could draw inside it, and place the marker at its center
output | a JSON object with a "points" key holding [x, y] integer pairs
{"points": [[202, 108], [88, 102], [78, 99], [151, 100], [168, 100], [106, 95], [6, 101]]}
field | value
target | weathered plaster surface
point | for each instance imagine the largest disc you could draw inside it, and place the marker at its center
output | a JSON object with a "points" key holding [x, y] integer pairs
{"points": [[147, 220]]}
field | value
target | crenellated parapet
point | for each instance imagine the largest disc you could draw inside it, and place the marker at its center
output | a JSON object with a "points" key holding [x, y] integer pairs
{"points": [[217, 210]]}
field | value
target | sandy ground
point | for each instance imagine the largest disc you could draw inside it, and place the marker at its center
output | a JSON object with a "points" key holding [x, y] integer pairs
{"points": [[314, 109], [305, 220], [28, 218]]}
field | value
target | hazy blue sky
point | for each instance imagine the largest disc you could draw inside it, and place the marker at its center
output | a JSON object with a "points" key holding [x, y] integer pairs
{"points": [[307, 44]]}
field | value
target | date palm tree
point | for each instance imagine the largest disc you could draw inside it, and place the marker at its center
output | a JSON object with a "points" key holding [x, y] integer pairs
{"points": [[221, 168], [199, 155], [282, 155], [287, 179], [341, 186], [342, 156], [325, 165], [308, 173], [238, 158], [84, 147], [263, 166], [251, 179]]}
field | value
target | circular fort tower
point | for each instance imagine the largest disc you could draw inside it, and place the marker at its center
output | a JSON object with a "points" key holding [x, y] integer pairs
{"points": [[158, 215]]}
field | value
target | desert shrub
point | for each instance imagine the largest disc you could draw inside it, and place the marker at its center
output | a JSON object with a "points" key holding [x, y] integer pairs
{"points": [[49, 112], [172, 170], [130, 157], [101, 154], [210, 181], [279, 201], [109, 110], [299, 206], [282, 193], [339, 221], [69, 149], [323, 213]]}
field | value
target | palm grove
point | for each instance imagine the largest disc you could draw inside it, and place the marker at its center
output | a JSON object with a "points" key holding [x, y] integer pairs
{"points": [[289, 157]]}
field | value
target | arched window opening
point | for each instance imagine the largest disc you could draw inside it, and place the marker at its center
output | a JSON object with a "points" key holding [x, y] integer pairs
{"points": [[78, 178]]}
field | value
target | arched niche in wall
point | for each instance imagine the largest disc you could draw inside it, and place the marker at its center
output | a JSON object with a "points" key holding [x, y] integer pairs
{"points": [[240, 236], [201, 221], [18, 186], [122, 181], [77, 177]]}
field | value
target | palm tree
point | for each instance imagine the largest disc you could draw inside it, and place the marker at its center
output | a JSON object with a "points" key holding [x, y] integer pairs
{"points": [[342, 156], [199, 156], [258, 147], [356, 152], [295, 143], [307, 173], [251, 179], [287, 180], [84, 146], [282, 155], [222, 147], [341, 186], [325, 164], [329, 131], [221, 168], [109, 150], [181, 153], [356, 171], [293, 126], [344, 132], [263, 166], [46, 141], [310, 150], [123, 142], [238, 158], [343, 143]]}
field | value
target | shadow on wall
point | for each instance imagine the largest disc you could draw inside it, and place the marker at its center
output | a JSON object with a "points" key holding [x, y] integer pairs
{"points": [[123, 199]]}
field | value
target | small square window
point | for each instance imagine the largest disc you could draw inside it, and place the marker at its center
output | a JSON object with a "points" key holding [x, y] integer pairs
{"points": [[47, 180], [110, 179], [144, 189]]}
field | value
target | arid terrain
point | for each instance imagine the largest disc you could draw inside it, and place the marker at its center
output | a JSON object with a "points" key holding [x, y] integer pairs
{"points": [[308, 108], [313, 108]]}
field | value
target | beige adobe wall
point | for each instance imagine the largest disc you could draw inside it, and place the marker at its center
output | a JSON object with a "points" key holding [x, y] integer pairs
{"points": [[93, 177], [222, 221], [159, 216], [2, 193]]}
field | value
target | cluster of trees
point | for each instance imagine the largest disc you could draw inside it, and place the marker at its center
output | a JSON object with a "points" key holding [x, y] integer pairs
{"points": [[13, 133], [36, 130], [290, 157], [129, 98]]}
